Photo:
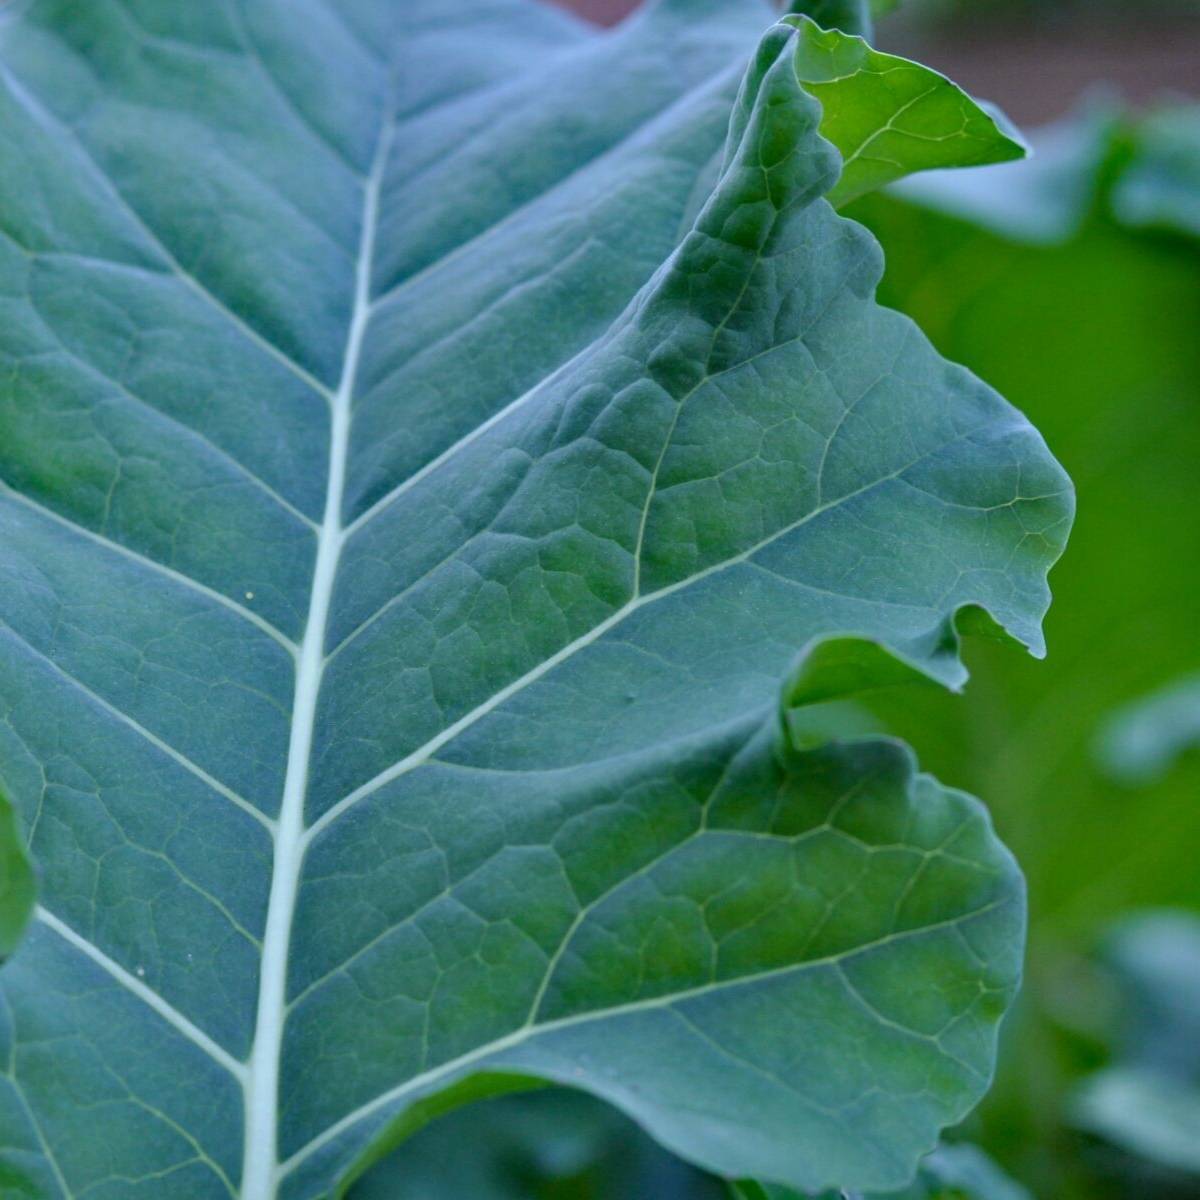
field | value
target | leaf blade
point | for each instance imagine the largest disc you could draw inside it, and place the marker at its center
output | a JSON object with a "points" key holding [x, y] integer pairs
{"points": [[569, 629]]}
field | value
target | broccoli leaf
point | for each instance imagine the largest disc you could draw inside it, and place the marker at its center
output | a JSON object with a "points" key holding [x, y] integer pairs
{"points": [[406, 537], [1140, 742]]}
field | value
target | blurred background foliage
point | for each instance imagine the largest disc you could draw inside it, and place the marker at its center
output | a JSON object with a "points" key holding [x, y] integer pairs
{"points": [[1072, 284], [1083, 308]]}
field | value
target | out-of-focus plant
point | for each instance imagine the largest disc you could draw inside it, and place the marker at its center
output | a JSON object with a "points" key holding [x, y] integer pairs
{"points": [[1073, 281], [1142, 1111], [561, 1145], [442, 448]]}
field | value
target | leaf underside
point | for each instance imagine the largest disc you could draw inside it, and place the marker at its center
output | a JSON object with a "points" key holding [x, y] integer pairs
{"points": [[554, 1142], [404, 538]]}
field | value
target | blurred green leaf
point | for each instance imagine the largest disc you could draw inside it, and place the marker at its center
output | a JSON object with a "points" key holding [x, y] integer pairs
{"points": [[18, 886], [1154, 958], [850, 16], [1044, 198], [1160, 186], [562, 1145], [952, 1172], [1147, 1115], [1092, 330], [961, 1172], [1147, 1103], [1143, 169], [1140, 742]]}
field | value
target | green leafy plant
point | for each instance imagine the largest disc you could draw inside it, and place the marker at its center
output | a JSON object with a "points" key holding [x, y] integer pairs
{"points": [[434, 472], [1048, 255], [1144, 1106], [1144, 739]]}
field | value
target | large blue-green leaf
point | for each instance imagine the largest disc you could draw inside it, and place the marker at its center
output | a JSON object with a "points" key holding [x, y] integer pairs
{"points": [[403, 547], [1159, 186]]}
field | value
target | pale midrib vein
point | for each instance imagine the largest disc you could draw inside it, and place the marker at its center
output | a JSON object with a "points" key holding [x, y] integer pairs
{"points": [[535, 1029], [146, 994], [260, 1167], [472, 435]]}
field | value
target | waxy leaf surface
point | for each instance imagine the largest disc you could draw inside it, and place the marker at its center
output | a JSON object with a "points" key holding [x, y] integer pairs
{"points": [[410, 514]]}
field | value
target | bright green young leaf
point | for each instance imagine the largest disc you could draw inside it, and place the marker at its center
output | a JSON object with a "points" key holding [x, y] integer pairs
{"points": [[17, 887], [1161, 183], [404, 545], [1115, 393], [890, 117], [887, 116]]}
